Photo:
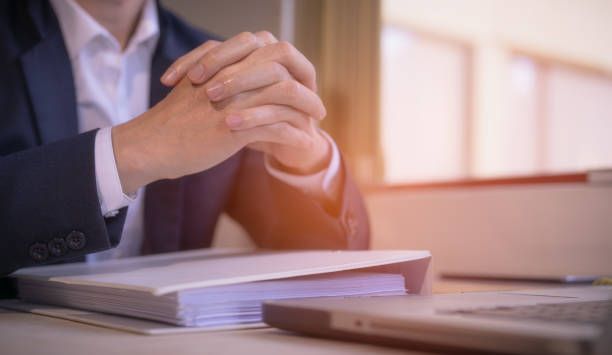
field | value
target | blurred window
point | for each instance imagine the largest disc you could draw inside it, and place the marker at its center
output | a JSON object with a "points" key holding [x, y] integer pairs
{"points": [[577, 114], [424, 106], [563, 114], [550, 117]]}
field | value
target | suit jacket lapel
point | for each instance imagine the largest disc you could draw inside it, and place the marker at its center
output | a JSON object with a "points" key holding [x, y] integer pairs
{"points": [[48, 74], [163, 199]]}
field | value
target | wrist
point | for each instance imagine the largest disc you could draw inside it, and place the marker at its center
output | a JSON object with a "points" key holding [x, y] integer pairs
{"points": [[310, 162], [133, 165]]}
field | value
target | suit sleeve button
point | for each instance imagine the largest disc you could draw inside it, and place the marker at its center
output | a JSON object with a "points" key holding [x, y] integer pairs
{"points": [[57, 247], [39, 252], [76, 240]]}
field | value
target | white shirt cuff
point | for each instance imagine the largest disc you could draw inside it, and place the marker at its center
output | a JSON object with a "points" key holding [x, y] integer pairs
{"points": [[323, 185], [110, 192]]}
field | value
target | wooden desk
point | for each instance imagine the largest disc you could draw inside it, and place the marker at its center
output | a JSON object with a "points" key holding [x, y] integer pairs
{"points": [[22, 333]]}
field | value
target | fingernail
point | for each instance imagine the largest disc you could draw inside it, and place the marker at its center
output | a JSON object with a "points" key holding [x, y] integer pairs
{"points": [[169, 76], [233, 121], [214, 92], [196, 73]]}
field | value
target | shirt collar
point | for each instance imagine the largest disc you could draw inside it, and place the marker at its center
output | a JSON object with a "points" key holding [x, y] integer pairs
{"points": [[79, 28], [148, 27]]}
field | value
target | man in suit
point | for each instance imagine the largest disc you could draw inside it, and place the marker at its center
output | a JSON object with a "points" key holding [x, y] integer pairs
{"points": [[237, 136]]}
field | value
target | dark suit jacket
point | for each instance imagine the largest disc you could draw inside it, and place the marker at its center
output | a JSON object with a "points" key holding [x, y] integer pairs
{"points": [[49, 209]]}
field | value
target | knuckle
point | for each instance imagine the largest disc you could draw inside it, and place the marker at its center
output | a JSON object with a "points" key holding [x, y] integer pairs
{"points": [[223, 79], [286, 49], [283, 129], [247, 38], [250, 116], [205, 45], [210, 59], [230, 84], [179, 64], [279, 71], [266, 36], [181, 59], [291, 89], [208, 45], [222, 76]]}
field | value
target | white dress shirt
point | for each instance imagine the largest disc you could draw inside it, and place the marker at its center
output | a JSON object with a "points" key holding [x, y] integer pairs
{"points": [[112, 87]]}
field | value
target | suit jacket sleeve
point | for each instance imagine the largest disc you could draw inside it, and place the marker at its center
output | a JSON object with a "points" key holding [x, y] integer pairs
{"points": [[49, 209], [277, 215]]}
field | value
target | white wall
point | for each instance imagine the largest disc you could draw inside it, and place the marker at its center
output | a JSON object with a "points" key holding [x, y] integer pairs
{"points": [[519, 230]]}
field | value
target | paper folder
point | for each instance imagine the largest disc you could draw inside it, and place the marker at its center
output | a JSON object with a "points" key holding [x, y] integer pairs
{"points": [[159, 283]]}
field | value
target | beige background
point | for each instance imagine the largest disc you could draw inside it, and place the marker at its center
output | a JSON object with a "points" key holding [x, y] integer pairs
{"points": [[229, 17], [533, 230], [538, 229]]}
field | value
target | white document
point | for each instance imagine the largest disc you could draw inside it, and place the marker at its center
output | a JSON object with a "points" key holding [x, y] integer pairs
{"points": [[166, 273], [127, 324], [212, 289]]}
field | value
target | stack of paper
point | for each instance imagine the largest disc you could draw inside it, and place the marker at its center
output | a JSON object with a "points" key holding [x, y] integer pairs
{"points": [[211, 288], [212, 306]]}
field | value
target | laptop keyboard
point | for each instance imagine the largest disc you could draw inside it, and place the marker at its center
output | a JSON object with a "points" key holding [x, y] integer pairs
{"points": [[582, 312]]}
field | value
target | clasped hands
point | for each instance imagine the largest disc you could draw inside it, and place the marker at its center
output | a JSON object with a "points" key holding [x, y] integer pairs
{"points": [[250, 90]]}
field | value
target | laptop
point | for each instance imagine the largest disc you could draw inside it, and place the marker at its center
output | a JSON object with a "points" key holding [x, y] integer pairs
{"points": [[569, 320]]}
